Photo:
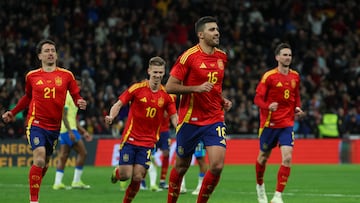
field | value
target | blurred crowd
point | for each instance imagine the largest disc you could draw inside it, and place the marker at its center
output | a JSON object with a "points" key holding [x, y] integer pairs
{"points": [[108, 44]]}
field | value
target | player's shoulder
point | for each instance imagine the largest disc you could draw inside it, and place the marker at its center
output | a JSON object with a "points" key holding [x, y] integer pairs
{"points": [[189, 53], [138, 85], [65, 71], [294, 72], [269, 73], [220, 52], [32, 72]]}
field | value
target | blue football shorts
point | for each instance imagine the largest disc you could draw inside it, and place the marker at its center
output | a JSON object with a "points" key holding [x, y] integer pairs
{"points": [[271, 137], [38, 137], [188, 136], [64, 138], [131, 154]]}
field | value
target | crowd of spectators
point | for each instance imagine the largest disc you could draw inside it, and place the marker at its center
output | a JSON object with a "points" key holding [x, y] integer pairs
{"points": [[108, 43]]}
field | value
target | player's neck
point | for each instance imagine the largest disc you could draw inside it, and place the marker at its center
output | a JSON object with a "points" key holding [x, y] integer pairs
{"points": [[154, 86], [206, 48], [47, 68], [283, 70]]}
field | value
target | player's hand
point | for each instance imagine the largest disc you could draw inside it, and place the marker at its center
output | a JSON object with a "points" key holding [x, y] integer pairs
{"points": [[71, 135], [273, 106], [87, 136], [109, 119], [8, 117], [227, 104], [299, 113], [81, 104], [205, 87]]}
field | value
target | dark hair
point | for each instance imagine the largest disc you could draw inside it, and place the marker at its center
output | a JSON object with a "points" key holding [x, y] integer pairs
{"points": [[41, 43], [280, 47], [157, 61], [199, 25]]}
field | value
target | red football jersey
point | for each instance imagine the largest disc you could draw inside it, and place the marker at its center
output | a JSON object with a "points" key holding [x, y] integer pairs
{"points": [[146, 113], [195, 67], [45, 92], [283, 89]]}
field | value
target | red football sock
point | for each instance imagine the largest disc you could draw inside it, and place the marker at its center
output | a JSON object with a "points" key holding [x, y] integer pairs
{"points": [[131, 191], [164, 167], [283, 175], [209, 183], [260, 170], [174, 186], [35, 177]]}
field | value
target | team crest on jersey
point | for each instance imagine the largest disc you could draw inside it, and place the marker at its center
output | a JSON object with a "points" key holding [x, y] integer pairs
{"points": [[293, 83], [220, 64], [125, 157], [161, 102], [58, 81], [36, 140]]}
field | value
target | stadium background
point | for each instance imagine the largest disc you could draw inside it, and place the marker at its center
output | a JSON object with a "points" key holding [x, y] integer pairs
{"points": [[108, 44]]}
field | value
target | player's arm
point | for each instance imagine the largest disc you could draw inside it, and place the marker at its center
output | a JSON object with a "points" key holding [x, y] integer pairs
{"points": [[21, 105], [67, 125], [175, 86], [174, 120], [227, 104], [114, 111], [88, 137]]}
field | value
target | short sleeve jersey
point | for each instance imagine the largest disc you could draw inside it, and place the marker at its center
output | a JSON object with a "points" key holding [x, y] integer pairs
{"points": [[47, 91], [146, 113], [284, 89], [194, 67]]}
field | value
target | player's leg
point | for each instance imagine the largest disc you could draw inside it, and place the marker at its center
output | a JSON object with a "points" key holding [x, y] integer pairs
{"points": [[283, 173], [139, 171], [267, 141], [81, 152], [42, 143], [64, 154], [164, 145], [153, 176], [186, 140], [35, 173], [216, 156], [260, 167], [216, 149], [200, 153], [286, 141], [124, 170], [164, 168]]}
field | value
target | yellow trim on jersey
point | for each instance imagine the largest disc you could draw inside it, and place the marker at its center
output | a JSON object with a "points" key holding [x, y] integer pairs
{"points": [[293, 71], [219, 50], [127, 133], [189, 111], [66, 70], [31, 118], [268, 73], [187, 53], [138, 85]]}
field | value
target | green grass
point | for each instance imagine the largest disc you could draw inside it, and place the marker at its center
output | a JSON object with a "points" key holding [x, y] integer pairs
{"points": [[307, 183]]}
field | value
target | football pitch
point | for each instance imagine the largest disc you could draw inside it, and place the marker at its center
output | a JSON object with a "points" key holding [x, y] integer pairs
{"points": [[307, 183]]}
